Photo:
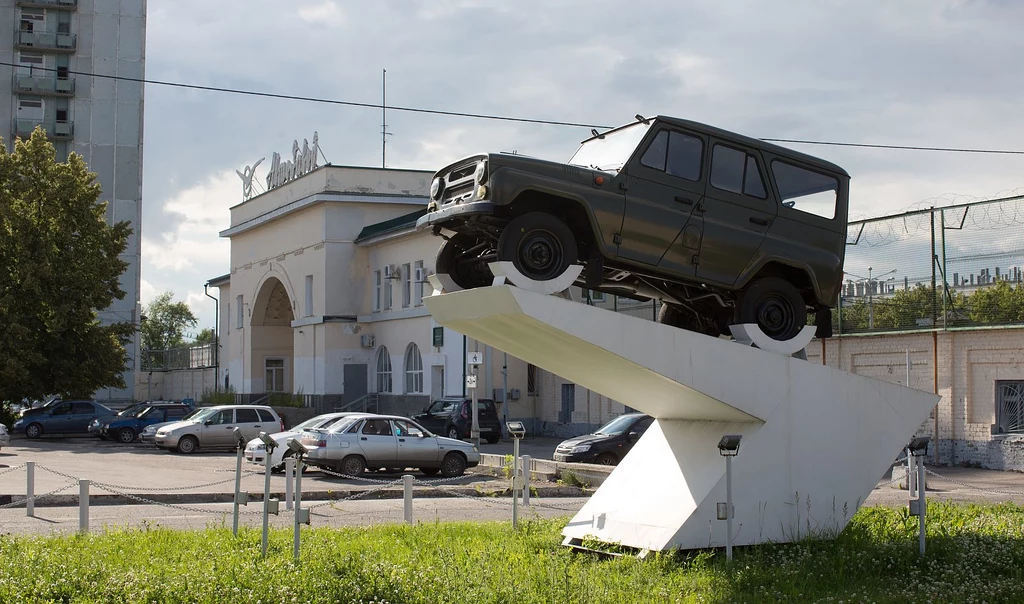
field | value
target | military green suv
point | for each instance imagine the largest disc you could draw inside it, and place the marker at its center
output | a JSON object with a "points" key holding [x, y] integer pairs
{"points": [[721, 227]]}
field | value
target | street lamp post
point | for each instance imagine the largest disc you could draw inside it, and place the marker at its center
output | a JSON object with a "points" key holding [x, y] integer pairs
{"points": [[870, 281]]}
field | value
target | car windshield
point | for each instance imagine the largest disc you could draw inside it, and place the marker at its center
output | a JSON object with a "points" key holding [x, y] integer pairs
{"points": [[202, 414], [616, 426], [312, 422], [612, 150]]}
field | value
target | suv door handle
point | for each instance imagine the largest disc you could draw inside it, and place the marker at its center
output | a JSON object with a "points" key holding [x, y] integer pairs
{"points": [[760, 221], [684, 200]]}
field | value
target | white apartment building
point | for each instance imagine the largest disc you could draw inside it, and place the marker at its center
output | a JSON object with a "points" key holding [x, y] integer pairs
{"points": [[57, 45]]}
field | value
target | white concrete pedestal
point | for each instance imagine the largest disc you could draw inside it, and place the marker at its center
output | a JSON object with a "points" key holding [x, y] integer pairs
{"points": [[816, 440]]}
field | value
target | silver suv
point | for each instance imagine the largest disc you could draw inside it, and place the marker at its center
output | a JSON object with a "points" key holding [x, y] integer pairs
{"points": [[213, 428]]}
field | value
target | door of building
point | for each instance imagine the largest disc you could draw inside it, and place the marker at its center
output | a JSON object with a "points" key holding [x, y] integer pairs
{"points": [[568, 403], [436, 382], [355, 382]]}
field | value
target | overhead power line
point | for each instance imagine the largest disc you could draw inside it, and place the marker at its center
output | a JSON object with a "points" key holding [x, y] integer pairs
{"points": [[383, 106]]}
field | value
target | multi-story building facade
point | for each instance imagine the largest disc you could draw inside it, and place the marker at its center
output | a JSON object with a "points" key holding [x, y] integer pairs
{"points": [[62, 50]]}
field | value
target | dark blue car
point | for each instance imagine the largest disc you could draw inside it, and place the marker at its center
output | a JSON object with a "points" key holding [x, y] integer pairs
{"points": [[127, 429]]}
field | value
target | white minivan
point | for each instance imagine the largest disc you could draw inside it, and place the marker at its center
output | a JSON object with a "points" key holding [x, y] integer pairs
{"points": [[213, 428]]}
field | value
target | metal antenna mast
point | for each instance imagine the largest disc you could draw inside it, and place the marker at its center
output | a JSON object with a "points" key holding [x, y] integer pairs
{"points": [[383, 121]]}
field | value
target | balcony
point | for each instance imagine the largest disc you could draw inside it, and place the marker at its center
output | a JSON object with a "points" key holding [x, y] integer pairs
{"points": [[65, 4], [55, 130], [44, 85], [45, 40]]}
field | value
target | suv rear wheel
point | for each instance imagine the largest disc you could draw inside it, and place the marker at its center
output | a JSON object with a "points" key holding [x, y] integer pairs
{"points": [[453, 432], [539, 245], [775, 306]]}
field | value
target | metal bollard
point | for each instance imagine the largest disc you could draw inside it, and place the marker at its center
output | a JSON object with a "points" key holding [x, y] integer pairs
{"points": [[407, 484], [300, 514], [83, 505], [289, 464], [30, 489], [238, 488], [527, 466]]}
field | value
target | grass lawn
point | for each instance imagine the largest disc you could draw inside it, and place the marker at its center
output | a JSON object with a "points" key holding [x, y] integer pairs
{"points": [[975, 553]]}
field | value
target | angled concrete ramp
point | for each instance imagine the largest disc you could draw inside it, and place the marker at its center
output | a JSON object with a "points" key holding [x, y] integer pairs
{"points": [[815, 439]]}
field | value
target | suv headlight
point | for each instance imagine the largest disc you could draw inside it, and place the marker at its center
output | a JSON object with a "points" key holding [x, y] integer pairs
{"points": [[581, 448], [481, 173], [436, 188]]}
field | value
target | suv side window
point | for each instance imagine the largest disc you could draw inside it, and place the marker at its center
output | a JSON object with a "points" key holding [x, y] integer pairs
{"points": [[223, 416], [265, 416], [807, 191], [676, 154], [735, 171], [641, 426], [247, 416]]}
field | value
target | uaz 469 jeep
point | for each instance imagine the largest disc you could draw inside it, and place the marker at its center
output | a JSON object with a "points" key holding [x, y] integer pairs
{"points": [[722, 228]]}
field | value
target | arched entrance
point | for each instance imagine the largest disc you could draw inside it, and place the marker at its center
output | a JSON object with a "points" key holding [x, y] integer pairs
{"points": [[272, 344]]}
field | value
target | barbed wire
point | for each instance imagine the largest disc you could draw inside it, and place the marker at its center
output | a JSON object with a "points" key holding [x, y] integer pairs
{"points": [[983, 215]]}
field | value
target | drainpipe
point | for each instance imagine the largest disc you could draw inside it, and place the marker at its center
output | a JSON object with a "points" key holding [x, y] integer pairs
{"points": [[216, 338]]}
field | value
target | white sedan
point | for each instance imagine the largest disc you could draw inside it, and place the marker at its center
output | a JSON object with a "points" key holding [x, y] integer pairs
{"points": [[368, 441], [255, 450]]}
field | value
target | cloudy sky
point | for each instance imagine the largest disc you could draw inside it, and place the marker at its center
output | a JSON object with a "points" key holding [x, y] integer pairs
{"points": [[917, 72]]}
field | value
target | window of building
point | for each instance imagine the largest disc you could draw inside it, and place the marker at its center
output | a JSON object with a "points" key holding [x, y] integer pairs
{"points": [[309, 295], [735, 171], [274, 375], [1009, 406], [413, 370], [387, 292], [807, 191], [376, 290], [383, 370], [406, 286], [675, 153], [531, 380], [240, 311], [418, 286]]}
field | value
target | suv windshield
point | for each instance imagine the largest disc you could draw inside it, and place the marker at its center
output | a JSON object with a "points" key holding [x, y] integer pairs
{"points": [[611, 151], [616, 426]]}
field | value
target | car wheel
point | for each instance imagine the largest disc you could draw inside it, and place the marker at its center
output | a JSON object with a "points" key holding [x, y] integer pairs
{"points": [[188, 444], [125, 435], [33, 431], [430, 471], [453, 432], [775, 306], [539, 245], [606, 459], [465, 269], [353, 465], [492, 440], [453, 465]]}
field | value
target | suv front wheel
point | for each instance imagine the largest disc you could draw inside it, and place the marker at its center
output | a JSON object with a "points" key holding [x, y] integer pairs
{"points": [[775, 306], [539, 245]]}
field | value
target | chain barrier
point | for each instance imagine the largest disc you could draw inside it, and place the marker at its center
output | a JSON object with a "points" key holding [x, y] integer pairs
{"points": [[38, 497], [350, 497], [350, 477], [479, 498], [976, 488], [159, 489], [11, 469], [439, 480], [172, 505]]}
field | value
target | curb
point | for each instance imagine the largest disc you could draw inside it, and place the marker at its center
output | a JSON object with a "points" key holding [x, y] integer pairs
{"points": [[319, 495]]}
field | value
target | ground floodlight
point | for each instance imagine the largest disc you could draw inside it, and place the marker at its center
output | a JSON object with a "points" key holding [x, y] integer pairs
{"points": [[270, 442], [295, 448], [516, 429], [919, 445], [730, 444], [239, 438]]}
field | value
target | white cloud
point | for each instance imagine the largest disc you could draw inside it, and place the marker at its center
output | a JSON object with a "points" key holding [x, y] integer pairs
{"points": [[327, 14]]}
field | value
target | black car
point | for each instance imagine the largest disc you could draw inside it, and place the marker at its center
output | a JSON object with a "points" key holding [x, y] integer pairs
{"points": [[609, 444], [453, 417]]}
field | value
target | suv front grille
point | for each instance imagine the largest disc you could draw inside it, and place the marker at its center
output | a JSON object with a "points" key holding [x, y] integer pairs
{"points": [[458, 184]]}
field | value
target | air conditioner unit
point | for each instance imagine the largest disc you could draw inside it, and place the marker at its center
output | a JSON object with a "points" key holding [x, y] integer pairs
{"points": [[421, 275], [389, 271], [367, 340]]}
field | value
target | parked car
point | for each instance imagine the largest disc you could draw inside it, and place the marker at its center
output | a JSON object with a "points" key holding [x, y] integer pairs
{"points": [[148, 434], [608, 445], [65, 417], [373, 441], [5, 436], [127, 428], [724, 228], [25, 409], [96, 426], [255, 449], [453, 417], [213, 428]]}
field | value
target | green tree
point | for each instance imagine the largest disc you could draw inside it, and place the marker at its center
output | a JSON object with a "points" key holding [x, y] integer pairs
{"points": [[166, 323], [205, 336], [59, 264], [998, 304]]}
